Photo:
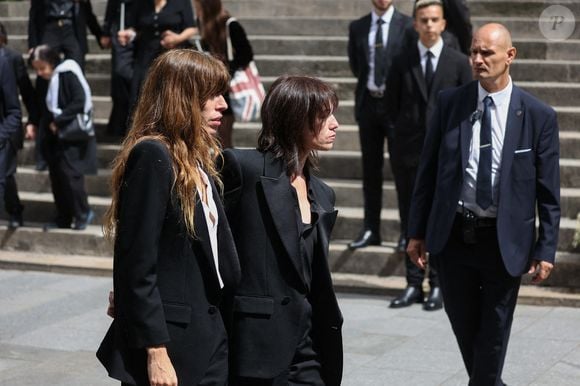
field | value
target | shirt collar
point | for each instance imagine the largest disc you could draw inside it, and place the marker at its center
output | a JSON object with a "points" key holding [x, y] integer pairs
{"points": [[499, 97], [387, 17], [436, 49]]}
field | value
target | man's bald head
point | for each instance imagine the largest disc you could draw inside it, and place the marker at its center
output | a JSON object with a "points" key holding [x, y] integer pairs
{"points": [[491, 56], [495, 32]]}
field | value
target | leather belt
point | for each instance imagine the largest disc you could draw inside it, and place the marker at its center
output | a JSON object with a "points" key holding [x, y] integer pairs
{"points": [[61, 22], [480, 222], [376, 94]]}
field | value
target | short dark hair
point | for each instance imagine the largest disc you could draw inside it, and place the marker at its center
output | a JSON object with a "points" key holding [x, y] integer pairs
{"points": [[427, 3], [47, 54], [293, 105], [3, 34]]}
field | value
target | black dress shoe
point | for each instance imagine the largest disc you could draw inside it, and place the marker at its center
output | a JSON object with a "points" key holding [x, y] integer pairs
{"points": [[434, 300], [54, 225], [82, 223], [410, 295], [15, 221], [402, 244], [367, 237]]}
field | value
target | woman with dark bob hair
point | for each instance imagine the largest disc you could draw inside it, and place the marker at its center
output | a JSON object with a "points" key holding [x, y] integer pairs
{"points": [[174, 257], [286, 323], [68, 96]]}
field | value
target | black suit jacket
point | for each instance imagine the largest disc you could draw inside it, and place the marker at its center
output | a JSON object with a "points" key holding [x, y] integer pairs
{"points": [[10, 114], [529, 180], [267, 320], [400, 33], [83, 18], [165, 281], [459, 22], [410, 105]]}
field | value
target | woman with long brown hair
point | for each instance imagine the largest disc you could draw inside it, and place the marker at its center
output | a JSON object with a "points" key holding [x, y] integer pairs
{"points": [[214, 25], [174, 257]]}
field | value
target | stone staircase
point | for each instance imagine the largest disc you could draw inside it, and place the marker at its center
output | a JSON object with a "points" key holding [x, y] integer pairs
{"points": [[310, 37]]}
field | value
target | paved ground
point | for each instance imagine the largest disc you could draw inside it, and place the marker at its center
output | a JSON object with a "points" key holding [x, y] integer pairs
{"points": [[51, 324]]}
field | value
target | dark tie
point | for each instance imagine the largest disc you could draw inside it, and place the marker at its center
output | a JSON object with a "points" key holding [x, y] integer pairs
{"points": [[429, 71], [379, 55], [483, 191]]}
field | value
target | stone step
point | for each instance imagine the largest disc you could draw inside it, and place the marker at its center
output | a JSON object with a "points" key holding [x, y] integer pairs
{"points": [[334, 45], [344, 8], [556, 291], [91, 242], [35, 194]]}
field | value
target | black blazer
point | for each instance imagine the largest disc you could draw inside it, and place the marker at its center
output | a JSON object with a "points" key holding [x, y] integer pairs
{"points": [[530, 177], [400, 33], [459, 22], [165, 281], [10, 114], [83, 18], [410, 106], [267, 309]]}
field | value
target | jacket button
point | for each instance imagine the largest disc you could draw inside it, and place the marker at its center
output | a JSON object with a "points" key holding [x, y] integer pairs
{"points": [[212, 310], [285, 300]]}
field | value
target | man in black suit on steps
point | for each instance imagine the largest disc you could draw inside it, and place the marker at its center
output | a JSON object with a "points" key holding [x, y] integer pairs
{"points": [[373, 41], [418, 74]]}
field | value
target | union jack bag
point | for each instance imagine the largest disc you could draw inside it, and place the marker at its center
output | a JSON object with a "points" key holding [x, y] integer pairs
{"points": [[246, 89]]}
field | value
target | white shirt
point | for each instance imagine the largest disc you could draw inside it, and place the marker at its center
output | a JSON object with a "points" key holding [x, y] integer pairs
{"points": [[210, 212], [387, 17], [435, 50], [499, 113]]}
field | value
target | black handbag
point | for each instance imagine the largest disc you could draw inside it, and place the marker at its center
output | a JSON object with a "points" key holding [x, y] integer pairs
{"points": [[79, 129]]}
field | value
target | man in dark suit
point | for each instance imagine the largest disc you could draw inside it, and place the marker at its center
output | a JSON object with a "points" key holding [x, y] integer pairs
{"points": [[417, 76], [459, 22], [62, 24], [491, 158], [11, 200], [10, 117], [372, 43]]}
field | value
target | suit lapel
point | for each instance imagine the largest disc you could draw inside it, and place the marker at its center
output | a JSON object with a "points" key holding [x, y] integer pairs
{"points": [[513, 129], [326, 218], [417, 71], [364, 36], [466, 125], [202, 237], [281, 203], [442, 64]]}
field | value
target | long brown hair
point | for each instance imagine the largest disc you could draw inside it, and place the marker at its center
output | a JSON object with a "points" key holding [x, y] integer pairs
{"points": [[213, 19], [169, 110], [294, 105]]}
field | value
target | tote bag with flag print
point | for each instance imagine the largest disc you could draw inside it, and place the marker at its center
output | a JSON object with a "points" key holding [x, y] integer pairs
{"points": [[246, 90]]}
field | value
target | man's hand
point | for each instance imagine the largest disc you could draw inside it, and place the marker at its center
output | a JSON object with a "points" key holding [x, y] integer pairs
{"points": [[111, 308], [159, 367], [126, 36], [541, 270], [53, 127], [30, 131], [417, 252], [105, 41]]}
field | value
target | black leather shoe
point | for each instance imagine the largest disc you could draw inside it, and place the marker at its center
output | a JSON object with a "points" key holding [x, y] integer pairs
{"points": [[15, 221], [402, 244], [82, 224], [434, 300], [366, 238], [54, 225], [409, 296]]}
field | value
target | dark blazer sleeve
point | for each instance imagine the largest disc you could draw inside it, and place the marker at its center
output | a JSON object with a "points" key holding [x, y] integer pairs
{"points": [[424, 189], [465, 72], [71, 98], [35, 23], [92, 21], [10, 114], [26, 89], [458, 19], [353, 57], [243, 53], [393, 91], [144, 197], [548, 188]]}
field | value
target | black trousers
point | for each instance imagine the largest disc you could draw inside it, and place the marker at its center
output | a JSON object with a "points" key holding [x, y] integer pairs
{"points": [[480, 298], [68, 189], [405, 182], [374, 126], [121, 74], [12, 202], [63, 39]]}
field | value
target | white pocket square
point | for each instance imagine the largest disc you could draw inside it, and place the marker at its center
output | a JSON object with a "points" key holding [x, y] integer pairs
{"points": [[522, 151]]}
